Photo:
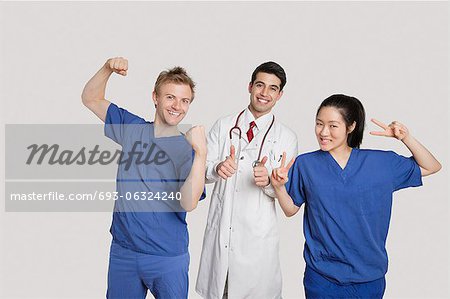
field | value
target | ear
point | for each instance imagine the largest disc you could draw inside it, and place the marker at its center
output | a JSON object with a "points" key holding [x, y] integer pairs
{"points": [[351, 128], [279, 95], [250, 85], [155, 100]]}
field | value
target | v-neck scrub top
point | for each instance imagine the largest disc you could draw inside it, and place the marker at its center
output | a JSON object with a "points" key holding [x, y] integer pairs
{"points": [[347, 211], [141, 221]]}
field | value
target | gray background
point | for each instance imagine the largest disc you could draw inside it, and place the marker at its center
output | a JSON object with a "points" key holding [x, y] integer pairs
{"points": [[391, 55]]}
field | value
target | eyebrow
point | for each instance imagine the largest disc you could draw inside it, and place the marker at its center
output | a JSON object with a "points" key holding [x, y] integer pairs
{"points": [[331, 121], [169, 94], [273, 85]]}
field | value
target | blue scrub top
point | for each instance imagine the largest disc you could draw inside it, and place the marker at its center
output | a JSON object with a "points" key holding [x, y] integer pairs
{"points": [[347, 211], [150, 168]]}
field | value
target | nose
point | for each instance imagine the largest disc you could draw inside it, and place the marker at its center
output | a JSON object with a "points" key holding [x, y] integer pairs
{"points": [[324, 131], [176, 104], [265, 91]]}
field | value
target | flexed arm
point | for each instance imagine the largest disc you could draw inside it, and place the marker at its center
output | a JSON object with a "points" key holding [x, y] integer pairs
{"points": [[427, 162], [93, 96]]}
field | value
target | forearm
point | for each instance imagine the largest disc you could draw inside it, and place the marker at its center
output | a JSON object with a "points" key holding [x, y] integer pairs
{"points": [[194, 185], [423, 157], [96, 86], [285, 201], [269, 191], [211, 173]]}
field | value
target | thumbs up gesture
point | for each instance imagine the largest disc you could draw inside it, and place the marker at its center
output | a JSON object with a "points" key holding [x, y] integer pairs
{"points": [[260, 173], [280, 174], [227, 168]]}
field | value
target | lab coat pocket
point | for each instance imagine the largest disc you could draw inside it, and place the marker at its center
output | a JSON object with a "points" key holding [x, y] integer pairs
{"points": [[215, 211], [372, 199]]}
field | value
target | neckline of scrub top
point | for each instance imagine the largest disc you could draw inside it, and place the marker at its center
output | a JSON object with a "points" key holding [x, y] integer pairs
{"points": [[152, 132], [342, 172]]}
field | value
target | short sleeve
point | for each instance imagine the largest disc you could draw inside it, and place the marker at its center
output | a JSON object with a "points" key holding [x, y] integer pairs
{"points": [[295, 186], [203, 196], [116, 121], [405, 172]]}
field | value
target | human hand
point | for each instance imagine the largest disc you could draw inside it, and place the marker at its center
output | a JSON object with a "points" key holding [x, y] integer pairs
{"points": [[118, 65], [394, 129], [261, 174], [197, 138], [228, 167], [280, 175]]}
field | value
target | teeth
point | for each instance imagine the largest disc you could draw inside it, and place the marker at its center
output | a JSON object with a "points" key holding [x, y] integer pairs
{"points": [[174, 113], [263, 101]]}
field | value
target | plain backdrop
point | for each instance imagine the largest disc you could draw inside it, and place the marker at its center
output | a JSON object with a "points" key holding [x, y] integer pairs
{"points": [[393, 56]]}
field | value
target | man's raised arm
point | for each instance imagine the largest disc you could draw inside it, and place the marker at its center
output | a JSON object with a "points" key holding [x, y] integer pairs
{"points": [[93, 95]]}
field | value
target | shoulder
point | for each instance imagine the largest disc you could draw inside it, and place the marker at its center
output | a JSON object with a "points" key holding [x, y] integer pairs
{"points": [[374, 153], [225, 121], [116, 114], [286, 131], [308, 162], [310, 155]]}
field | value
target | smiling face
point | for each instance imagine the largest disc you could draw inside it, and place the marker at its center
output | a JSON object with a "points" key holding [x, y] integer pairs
{"points": [[331, 129], [172, 103], [264, 92]]}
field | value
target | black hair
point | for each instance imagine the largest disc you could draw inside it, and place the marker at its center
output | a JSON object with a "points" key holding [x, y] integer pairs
{"points": [[352, 111], [273, 68]]}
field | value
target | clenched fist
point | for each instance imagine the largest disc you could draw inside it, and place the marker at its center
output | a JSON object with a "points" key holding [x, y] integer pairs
{"points": [[118, 65], [227, 168], [197, 138]]}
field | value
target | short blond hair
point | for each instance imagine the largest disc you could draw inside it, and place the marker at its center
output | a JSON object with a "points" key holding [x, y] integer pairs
{"points": [[177, 75]]}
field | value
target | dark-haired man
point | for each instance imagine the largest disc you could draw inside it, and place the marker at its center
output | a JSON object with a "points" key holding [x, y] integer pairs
{"points": [[240, 247]]}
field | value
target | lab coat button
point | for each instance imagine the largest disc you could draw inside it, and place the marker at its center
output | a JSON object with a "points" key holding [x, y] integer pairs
{"points": [[226, 246], [242, 158]]}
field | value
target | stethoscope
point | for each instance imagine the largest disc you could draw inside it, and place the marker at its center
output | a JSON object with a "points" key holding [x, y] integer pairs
{"points": [[236, 127]]}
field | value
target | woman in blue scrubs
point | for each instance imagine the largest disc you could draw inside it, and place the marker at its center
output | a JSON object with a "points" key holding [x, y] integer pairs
{"points": [[347, 192]]}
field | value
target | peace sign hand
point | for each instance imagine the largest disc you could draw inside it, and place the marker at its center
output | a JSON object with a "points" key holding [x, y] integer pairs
{"points": [[394, 129], [280, 175]]}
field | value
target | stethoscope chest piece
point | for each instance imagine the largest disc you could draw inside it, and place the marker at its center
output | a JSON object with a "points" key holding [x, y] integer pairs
{"points": [[255, 163]]}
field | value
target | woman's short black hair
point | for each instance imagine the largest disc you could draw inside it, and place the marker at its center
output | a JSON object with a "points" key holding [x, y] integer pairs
{"points": [[352, 111]]}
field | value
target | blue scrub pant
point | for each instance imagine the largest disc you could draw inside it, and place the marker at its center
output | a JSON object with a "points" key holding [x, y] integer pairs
{"points": [[131, 274], [317, 286]]}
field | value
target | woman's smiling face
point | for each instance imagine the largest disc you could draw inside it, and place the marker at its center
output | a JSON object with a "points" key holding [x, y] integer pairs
{"points": [[331, 129]]}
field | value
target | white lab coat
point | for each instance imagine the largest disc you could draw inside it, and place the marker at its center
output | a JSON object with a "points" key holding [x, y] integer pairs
{"points": [[241, 236]]}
